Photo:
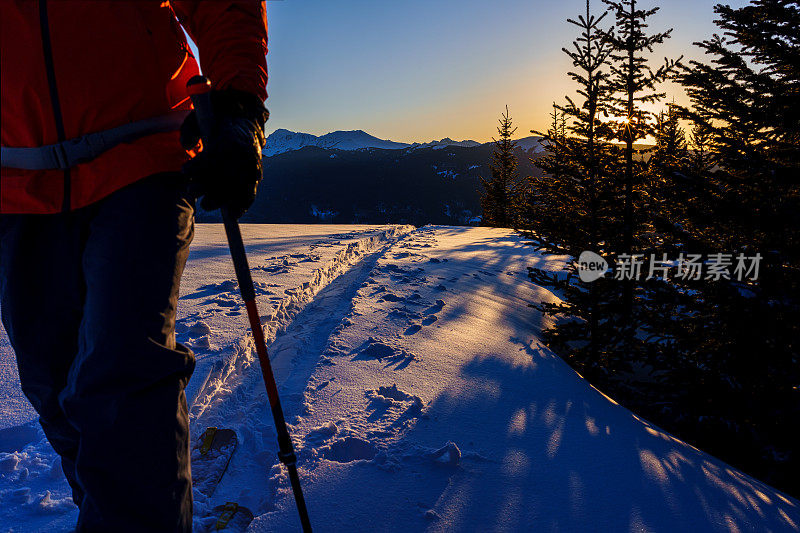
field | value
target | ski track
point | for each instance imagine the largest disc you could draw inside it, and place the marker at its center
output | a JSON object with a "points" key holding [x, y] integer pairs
{"points": [[214, 385], [233, 393], [303, 339]]}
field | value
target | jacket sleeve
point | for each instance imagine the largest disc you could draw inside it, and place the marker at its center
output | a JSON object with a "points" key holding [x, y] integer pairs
{"points": [[231, 37]]}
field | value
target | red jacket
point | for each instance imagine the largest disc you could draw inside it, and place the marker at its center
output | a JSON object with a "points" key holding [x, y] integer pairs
{"points": [[87, 66]]}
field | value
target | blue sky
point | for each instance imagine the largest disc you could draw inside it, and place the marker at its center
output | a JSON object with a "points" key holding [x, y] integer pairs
{"points": [[417, 70]]}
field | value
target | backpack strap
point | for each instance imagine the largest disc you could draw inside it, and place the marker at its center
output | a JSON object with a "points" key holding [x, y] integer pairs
{"points": [[81, 149]]}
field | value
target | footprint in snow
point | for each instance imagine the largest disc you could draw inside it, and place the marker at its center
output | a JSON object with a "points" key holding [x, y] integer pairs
{"points": [[324, 360], [438, 306], [228, 286], [275, 269], [417, 299], [349, 449], [412, 329], [199, 328], [212, 289], [404, 270], [322, 385], [392, 395], [320, 434], [404, 313], [430, 319], [279, 265], [223, 301], [10, 462], [377, 349], [390, 297], [431, 514], [393, 403], [262, 287], [201, 343]]}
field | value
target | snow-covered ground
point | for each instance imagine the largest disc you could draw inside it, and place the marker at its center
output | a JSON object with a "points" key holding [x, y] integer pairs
{"points": [[419, 396]]}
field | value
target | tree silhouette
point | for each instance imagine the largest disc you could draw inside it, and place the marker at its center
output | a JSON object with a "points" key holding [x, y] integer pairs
{"points": [[501, 191], [633, 83], [718, 354], [744, 102], [572, 208]]}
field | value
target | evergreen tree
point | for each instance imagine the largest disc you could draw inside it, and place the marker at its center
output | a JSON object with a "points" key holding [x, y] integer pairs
{"points": [[701, 156], [573, 207], [670, 138], [567, 209], [633, 83], [713, 359], [665, 182], [501, 191], [745, 104]]}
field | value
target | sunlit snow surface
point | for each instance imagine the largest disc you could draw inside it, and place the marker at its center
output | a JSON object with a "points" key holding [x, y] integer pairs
{"points": [[419, 398]]}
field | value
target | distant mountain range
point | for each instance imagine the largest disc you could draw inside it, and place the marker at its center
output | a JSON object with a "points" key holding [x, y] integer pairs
{"points": [[353, 177], [281, 141]]}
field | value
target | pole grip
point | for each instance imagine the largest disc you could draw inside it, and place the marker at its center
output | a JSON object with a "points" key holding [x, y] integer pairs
{"points": [[199, 89]]}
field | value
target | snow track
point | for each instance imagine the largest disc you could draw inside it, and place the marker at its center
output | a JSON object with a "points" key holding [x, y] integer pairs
{"points": [[212, 385], [233, 395]]}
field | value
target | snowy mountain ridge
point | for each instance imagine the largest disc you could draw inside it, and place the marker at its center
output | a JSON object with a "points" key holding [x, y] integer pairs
{"points": [[444, 143], [282, 140]]}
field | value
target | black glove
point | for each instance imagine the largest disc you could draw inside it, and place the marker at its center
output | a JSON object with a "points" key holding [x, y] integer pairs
{"points": [[227, 170]]}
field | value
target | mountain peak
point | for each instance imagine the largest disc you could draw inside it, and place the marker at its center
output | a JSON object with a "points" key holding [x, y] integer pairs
{"points": [[447, 141], [283, 140]]}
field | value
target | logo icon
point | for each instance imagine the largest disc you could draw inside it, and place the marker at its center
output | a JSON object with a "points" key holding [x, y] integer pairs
{"points": [[591, 267]]}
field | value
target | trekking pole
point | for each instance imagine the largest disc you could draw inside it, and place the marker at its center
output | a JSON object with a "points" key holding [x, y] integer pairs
{"points": [[199, 89]]}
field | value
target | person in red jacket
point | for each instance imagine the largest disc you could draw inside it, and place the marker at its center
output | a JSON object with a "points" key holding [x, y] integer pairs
{"points": [[96, 218]]}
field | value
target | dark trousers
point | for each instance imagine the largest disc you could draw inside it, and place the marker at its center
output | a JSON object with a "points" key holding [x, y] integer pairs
{"points": [[89, 301]]}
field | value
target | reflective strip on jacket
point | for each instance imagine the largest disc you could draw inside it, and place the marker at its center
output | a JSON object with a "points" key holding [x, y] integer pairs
{"points": [[73, 67]]}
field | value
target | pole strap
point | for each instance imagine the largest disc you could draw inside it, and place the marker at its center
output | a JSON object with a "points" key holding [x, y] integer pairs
{"points": [[287, 457], [67, 154]]}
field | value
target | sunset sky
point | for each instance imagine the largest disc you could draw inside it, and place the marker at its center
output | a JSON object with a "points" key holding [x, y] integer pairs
{"points": [[417, 70]]}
